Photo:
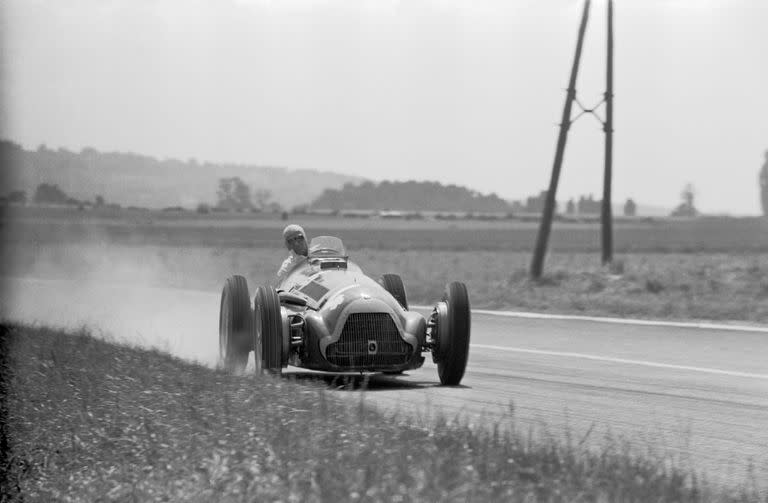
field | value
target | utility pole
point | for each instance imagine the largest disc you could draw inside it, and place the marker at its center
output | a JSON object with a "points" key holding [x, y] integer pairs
{"points": [[549, 206], [606, 214]]}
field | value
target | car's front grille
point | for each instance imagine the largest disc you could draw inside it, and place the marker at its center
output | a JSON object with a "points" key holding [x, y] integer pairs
{"points": [[369, 340]]}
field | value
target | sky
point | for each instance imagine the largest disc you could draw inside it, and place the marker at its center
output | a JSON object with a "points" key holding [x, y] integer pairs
{"points": [[463, 92]]}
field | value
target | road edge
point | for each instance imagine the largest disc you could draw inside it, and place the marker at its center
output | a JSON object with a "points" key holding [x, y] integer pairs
{"points": [[619, 321]]}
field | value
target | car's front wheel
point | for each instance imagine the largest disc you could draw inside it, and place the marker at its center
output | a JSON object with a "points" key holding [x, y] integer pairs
{"points": [[235, 324], [269, 329], [393, 283], [452, 320]]}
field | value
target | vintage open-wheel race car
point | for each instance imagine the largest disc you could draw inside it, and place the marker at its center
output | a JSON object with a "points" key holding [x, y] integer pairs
{"points": [[327, 315]]}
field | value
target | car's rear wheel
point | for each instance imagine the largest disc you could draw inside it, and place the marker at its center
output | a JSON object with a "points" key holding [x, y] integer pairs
{"points": [[235, 324], [393, 283], [453, 320], [269, 328]]}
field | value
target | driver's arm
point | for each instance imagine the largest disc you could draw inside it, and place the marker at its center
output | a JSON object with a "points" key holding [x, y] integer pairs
{"points": [[291, 264], [285, 267]]}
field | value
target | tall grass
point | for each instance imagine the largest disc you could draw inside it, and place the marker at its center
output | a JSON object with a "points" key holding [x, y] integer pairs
{"points": [[88, 420], [709, 268]]}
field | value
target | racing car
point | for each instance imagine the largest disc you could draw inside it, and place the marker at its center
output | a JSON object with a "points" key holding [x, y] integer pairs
{"points": [[326, 314]]}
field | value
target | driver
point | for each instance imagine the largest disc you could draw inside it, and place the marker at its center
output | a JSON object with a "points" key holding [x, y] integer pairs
{"points": [[296, 242]]}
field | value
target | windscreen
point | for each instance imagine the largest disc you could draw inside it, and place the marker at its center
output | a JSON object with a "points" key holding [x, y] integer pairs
{"points": [[326, 246]]}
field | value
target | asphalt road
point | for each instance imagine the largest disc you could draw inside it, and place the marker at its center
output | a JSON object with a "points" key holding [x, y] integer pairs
{"points": [[697, 395]]}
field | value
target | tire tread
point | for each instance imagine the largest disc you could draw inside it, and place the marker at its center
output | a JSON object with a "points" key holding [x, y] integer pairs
{"points": [[452, 366], [267, 302], [393, 283], [239, 323]]}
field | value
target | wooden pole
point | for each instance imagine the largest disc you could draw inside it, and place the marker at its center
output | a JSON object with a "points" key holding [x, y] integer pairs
{"points": [[545, 226], [606, 215]]}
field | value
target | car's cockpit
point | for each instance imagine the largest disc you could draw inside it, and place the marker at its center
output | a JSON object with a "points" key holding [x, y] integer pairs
{"points": [[327, 252]]}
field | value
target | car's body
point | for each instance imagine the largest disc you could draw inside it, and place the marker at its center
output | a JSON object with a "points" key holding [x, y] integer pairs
{"points": [[340, 319], [327, 314]]}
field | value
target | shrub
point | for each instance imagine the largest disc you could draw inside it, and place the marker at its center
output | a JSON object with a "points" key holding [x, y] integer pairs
{"points": [[654, 285]]}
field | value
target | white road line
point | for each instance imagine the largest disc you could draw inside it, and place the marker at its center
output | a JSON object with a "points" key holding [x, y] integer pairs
{"points": [[731, 373], [620, 321]]}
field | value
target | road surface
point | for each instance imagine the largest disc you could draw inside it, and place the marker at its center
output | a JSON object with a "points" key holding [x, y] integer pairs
{"points": [[698, 395]]}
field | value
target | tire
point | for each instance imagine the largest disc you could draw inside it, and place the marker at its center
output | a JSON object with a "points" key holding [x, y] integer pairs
{"points": [[454, 342], [235, 324], [269, 328], [393, 283]]}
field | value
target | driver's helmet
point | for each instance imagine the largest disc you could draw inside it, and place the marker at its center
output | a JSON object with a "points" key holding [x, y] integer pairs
{"points": [[292, 231]]}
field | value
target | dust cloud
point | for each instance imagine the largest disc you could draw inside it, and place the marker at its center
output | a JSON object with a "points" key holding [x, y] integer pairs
{"points": [[153, 296]]}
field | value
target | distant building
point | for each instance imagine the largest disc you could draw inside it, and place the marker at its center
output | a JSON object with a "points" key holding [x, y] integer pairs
{"points": [[357, 213], [392, 214], [588, 205], [326, 212]]}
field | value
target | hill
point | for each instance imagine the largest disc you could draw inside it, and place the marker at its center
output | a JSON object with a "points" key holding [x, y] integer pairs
{"points": [[137, 180], [408, 196], [130, 179]]}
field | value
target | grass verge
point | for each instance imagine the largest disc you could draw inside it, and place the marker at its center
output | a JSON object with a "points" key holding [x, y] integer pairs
{"points": [[87, 420]]}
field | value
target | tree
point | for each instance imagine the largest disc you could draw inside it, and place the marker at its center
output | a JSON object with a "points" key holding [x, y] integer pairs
{"points": [[224, 193], [234, 194], [687, 195], [50, 194], [18, 197], [686, 208], [262, 197], [630, 208]]}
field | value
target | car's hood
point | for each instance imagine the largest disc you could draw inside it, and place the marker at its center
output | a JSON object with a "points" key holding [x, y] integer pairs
{"points": [[335, 286]]}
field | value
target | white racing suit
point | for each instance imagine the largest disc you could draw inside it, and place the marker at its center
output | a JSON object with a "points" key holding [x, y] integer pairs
{"points": [[294, 260]]}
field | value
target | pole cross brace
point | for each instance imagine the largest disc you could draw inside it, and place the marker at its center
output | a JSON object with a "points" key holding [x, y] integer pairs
{"points": [[590, 111]]}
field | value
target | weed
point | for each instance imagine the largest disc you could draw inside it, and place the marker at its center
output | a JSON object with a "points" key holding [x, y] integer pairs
{"points": [[553, 279], [654, 285], [616, 266], [596, 284]]}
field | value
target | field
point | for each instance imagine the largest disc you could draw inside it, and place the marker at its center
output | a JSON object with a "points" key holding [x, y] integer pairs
{"points": [[704, 235], [86, 420], [713, 269]]}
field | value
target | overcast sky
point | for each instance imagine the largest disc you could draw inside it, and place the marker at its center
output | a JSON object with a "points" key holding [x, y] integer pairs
{"points": [[460, 92]]}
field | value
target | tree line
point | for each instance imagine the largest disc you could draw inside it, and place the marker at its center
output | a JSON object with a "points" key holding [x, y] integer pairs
{"points": [[408, 196], [131, 176], [143, 181], [52, 194]]}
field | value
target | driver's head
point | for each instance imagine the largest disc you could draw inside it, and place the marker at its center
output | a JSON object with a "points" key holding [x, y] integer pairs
{"points": [[296, 239]]}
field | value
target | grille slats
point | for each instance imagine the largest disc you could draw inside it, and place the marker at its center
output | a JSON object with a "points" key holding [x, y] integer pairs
{"points": [[361, 330]]}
